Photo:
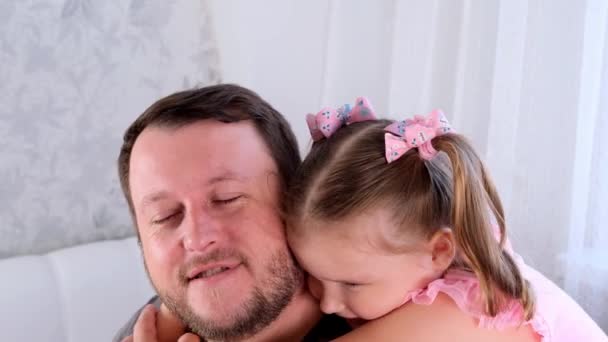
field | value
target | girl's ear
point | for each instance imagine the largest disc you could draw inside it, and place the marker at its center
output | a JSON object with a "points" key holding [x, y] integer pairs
{"points": [[443, 249]]}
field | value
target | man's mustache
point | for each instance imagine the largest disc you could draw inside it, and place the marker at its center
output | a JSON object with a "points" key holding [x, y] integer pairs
{"points": [[215, 256]]}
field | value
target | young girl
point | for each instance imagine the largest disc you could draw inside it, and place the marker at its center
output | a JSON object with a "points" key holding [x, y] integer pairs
{"points": [[399, 223]]}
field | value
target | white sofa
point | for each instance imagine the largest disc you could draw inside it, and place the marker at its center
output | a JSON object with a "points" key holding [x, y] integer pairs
{"points": [[84, 293]]}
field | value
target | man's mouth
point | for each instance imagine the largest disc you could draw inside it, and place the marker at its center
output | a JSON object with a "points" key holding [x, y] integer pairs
{"points": [[211, 272]]}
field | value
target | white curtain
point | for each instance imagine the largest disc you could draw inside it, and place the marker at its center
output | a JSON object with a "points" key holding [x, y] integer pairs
{"points": [[524, 80], [527, 81]]}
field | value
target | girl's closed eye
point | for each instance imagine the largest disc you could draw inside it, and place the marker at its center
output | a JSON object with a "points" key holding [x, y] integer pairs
{"points": [[352, 285], [226, 200]]}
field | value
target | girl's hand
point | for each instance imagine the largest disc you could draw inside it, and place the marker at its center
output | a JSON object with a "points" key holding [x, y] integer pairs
{"points": [[168, 327], [159, 326]]}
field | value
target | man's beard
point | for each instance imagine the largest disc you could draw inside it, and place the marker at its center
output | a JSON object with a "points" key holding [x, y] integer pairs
{"points": [[266, 302]]}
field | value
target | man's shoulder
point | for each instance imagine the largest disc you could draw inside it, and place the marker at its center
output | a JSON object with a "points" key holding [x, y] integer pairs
{"points": [[127, 329]]}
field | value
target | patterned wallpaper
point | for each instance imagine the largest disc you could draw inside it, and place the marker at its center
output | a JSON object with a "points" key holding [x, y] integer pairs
{"points": [[73, 75]]}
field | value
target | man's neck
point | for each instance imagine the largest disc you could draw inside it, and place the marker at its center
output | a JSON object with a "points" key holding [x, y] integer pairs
{"points": [[297, 319]]}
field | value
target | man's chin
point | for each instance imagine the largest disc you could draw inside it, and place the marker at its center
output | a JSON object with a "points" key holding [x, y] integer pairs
{"points": [[235, 306], [223, 317], [208, 316], [229, 299], [220, 308]]}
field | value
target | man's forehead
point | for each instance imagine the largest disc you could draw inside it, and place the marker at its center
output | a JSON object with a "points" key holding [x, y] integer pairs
{"points": [[216, 142], [202, 154]]}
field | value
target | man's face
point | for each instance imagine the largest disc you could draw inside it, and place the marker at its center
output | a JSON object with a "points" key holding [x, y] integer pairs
{"points": [[206, 205]]}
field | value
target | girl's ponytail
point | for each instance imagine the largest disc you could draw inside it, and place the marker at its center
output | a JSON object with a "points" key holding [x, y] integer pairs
{"points": [[474, 203]]}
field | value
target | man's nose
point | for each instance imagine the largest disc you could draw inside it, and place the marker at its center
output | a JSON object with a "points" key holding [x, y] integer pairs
{"points": [[202, 231]]}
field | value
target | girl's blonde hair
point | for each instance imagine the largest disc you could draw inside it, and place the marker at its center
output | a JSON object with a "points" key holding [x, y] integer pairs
{"points": [[348, 173]]}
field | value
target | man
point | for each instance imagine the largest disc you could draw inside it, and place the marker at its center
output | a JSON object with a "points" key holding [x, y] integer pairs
{"points": [[203, 172]]}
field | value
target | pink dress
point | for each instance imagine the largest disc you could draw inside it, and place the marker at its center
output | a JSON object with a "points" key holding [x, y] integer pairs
{"points": [[557, 318]]}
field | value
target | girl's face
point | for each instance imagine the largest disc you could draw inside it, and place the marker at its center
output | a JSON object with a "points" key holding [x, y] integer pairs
{"points": [[353, 277]]}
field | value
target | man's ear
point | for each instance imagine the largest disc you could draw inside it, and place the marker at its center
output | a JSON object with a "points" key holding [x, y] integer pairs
{"points": [[443, 249]]}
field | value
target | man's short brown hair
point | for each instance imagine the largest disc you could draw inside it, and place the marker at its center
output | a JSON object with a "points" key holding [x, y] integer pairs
{"points": [[224, 103]]}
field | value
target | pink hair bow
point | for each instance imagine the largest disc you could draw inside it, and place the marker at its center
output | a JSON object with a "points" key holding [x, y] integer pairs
{"points": [[328, 120], [405, 135]]}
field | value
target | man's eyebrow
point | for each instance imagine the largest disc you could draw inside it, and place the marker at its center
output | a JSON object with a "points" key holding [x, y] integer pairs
{"points": [[154, 197]]}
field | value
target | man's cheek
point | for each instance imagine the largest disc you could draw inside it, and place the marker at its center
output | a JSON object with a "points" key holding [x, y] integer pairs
{"points": [[159, 265]]}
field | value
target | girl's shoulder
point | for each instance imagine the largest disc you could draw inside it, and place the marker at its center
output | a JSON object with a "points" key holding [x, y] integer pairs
{"points": [[441, 320]]}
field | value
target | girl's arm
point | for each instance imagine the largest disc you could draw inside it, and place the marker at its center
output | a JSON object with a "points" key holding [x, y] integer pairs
{"points": [[440, 321]]}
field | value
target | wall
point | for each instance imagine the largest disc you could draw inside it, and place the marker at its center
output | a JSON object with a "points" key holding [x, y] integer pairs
{"points": [[74, 74]]}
